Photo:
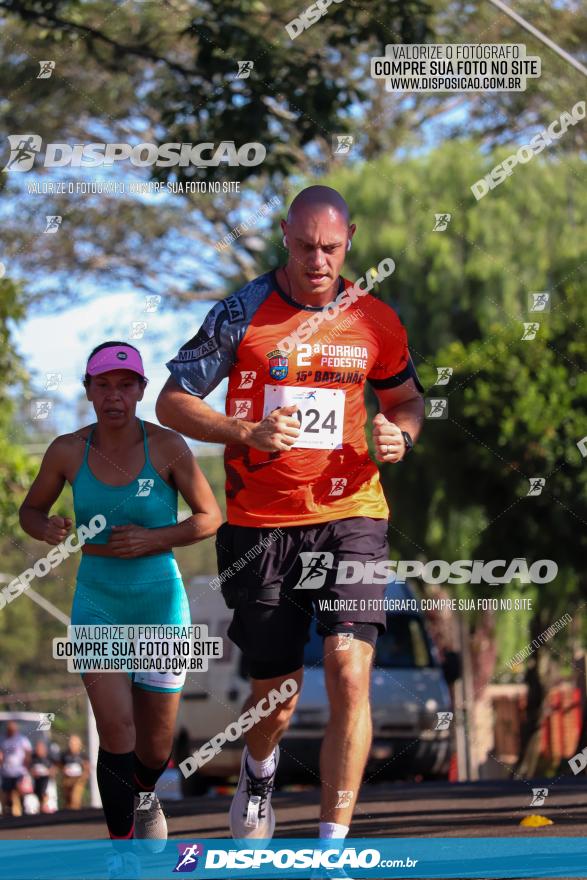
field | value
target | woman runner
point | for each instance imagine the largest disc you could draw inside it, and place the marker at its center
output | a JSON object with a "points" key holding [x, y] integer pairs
{"points": [[129, 472]]}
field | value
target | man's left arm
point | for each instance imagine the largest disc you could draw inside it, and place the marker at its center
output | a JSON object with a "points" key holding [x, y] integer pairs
{"points": [[401, 410]]}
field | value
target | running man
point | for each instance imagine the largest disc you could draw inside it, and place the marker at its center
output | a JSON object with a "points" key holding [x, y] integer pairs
{"points": [[130, 472], [310, 485]]}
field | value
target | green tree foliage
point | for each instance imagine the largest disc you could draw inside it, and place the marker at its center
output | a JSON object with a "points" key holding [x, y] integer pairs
{"points": [[492, 117], [18, 637], [515, 407], [15, 465], [165, 72], [132, 72]]}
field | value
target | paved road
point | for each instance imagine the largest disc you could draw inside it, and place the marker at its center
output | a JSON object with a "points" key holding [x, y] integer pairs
{"points": [[482, 809]]}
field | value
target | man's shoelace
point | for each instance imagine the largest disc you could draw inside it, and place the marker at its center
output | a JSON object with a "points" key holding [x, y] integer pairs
{"points": [[262, 788]]}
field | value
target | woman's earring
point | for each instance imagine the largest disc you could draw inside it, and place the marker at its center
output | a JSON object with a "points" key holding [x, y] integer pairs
{"points": [[284, 241]]}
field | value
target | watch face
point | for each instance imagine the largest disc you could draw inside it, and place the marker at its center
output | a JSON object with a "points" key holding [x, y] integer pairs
{"points": [[408, 440]]}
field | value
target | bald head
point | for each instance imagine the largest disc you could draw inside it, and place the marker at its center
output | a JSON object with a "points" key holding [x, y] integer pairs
{"points": [[317, 234], [316, 199]]}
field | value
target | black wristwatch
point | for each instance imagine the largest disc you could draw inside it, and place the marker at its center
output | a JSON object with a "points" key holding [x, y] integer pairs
{"points": [[408, 441]]}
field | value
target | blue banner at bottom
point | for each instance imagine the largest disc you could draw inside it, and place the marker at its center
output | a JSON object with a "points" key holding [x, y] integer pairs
{"points": [[374, 857]]}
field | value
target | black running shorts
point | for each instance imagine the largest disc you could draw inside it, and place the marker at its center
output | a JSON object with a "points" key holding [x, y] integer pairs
{"points": [[275, 580]]}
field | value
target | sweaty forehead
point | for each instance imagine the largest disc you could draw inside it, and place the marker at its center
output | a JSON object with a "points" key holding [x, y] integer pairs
{"points": [[317, 223]]}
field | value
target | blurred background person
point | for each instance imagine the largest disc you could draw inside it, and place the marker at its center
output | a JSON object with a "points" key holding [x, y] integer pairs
{"points": [[75, 768], [42, 770], [15, 758]]}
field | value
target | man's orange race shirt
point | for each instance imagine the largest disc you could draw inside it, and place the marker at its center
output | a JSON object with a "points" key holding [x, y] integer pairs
{"points": [[275, 352]]}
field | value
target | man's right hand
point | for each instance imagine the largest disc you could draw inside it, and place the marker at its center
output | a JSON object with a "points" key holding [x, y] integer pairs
{"points": [[57, 529], [276, 433]]}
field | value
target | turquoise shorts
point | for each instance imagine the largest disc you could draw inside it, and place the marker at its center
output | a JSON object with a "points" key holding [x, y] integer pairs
{"points": [[147, 590]]}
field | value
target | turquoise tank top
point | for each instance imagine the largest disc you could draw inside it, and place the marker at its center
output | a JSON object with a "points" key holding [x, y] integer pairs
{"points": [[146, 501]]}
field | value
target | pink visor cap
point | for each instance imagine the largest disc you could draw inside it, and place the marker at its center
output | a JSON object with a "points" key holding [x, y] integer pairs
{"points": [[115, 357]]}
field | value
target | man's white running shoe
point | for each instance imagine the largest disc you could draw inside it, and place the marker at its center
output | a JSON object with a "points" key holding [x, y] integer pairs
{"points": [[251, 813], [150, 825]]}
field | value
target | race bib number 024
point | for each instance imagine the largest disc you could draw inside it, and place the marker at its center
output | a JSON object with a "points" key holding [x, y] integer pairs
{"points": [[320, 413]]}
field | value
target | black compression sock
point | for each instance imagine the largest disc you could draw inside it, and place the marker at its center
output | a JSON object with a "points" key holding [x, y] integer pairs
{"points": [[115, 781], [145, 778]]}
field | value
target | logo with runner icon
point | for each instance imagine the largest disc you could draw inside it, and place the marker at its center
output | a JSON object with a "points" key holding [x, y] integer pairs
{"points": [[278, 364], [247, 378], [187, 858], [145, 486], [315, 567], [443, 720], [240, 409], [23, 149], [539, 795]]}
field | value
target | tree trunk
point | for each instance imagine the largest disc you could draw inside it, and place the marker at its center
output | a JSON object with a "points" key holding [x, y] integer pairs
{"points": [[530, 735]]}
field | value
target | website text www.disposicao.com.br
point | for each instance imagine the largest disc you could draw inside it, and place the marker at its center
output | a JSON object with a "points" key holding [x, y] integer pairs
{"points": [[303, 859]]}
